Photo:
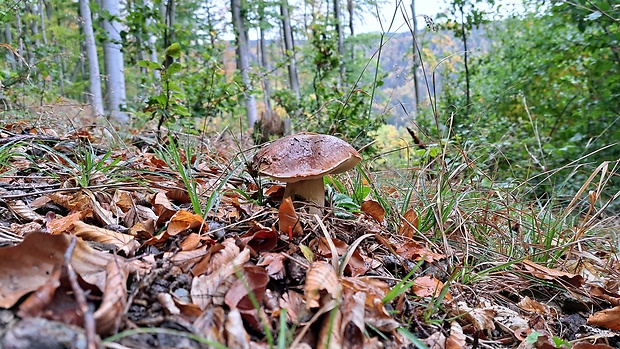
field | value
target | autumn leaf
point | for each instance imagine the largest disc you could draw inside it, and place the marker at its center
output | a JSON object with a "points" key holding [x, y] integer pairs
{"points": [[409, 224], [288, 218], [374, 210]]}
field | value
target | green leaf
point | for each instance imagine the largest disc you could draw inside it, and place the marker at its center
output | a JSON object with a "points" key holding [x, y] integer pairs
{"points": [[148, 64], [175, 67], [174, 50]]}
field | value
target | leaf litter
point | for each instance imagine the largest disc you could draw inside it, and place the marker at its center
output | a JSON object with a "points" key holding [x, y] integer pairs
{"points": [[245, 274]]}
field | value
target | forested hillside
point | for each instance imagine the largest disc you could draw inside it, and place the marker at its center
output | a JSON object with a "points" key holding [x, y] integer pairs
{"points": [[272, 173]]}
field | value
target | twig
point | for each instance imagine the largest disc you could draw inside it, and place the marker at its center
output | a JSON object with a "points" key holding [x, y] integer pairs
{"points": [[80, 298]]}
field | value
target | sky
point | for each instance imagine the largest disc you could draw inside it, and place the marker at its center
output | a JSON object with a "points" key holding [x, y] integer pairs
{"points": [[370, 23]]}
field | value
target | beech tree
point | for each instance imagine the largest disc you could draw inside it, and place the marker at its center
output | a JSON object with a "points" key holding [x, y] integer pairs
{"points": [[243, 61], [95, 96], [114, 64]]}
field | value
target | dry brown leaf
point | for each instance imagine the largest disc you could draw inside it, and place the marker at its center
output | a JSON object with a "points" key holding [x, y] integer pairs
{"points": [[254, 280], [359, 264], [23, 211], [140, 214], [428, 286], [457, 339], [29, 265], [437, 340], [236, 335], [293, 302], [263, 240], [123, 200], [288, 219], [165, 299], [110, 313], [545, 273], [183, 221], [409, 225], [612, 297], [211, 324], [42, 297], [480, 318], [330, 336], [124, 242], [374, 210], [531, 305], [321, 276], [274, 264], [163, 208], [415, 251], [64, 224], [275, 191], [205, 287], [608, 318], [353, 326], [324, 250], [191, 242]]}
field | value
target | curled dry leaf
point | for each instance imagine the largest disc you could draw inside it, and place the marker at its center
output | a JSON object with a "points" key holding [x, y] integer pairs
{"points": [[545, 273], [23, 211], [263, 240], [163, 208], [608, 318], [204, 287], [183, 221], [236, 335], [288, 219], [374, 210], [110, 312], [64, 224], [293, 302], [585, 345], [534, 306], [330, 336], [353, 325], [321, 276], [437, 340], [254, 280], [124, 242], [415, 251], [42, 297], [165, 299], [457, 339], [409, 224], [480, 318], [274, 264]]}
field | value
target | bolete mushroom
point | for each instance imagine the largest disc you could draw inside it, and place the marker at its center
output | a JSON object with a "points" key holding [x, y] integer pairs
{"points": [[302, 160]]}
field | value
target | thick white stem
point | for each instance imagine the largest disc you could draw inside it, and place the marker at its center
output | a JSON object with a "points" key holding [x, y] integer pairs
{"points": [[312, 190]]}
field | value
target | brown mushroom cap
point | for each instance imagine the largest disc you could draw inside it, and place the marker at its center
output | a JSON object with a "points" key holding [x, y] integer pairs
{"points": [[305, 156]]}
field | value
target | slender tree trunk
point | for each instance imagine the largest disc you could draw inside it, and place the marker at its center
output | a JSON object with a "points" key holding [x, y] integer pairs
{"points": [[416, 59], [243, 61], [465, 60], [152, 40], [95, 96], [114, 65], [9, 39], [340, 32], [169, 20], [351, 8], [264, 64], [293, 77]]}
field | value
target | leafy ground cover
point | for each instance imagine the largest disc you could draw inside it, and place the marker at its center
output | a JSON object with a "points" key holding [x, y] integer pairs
{"points": [[114, 239]]}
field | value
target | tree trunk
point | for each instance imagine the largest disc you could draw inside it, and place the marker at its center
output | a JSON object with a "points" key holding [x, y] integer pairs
{"points": [[465, 61], [293, 77], [350, 8], [114, 64], [95, 96], [264, 63], [340, 32], [152, 40], [9, 39], [169, 20], [243, 61], [416, 59]]}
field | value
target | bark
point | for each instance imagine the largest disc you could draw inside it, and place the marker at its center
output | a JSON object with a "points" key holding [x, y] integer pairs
{"points": [[95, 97], [340, 32], [416, 58], [243, 61], [114, 64], [465, 61], [350, 8], [152, 40], [169, 20], [293, 76], [9, 39], [264, 64]]}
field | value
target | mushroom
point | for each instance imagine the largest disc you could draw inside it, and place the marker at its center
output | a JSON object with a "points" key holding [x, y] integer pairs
{"points": [[302, 160]]}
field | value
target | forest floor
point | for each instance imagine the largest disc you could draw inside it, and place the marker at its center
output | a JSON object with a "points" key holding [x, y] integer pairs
{"points": [[101, 247]]}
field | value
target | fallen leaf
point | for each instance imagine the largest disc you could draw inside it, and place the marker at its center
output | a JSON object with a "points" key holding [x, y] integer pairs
{"points": [[274, 264], [457, 339], [110, 313], [415, 251], [288, 219], [409, 224], [545, 273], [480, 318], [124, 242], [236, 335], [64, 224], [428, 286], [584, 345], [608, 318], [163, 208], [374, 210], [320, 276]]}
